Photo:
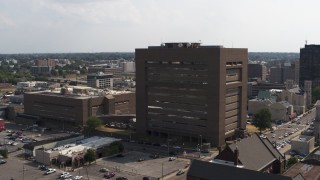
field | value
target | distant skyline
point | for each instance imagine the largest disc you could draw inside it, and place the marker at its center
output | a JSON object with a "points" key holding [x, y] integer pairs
{"points": [[63, 26]]}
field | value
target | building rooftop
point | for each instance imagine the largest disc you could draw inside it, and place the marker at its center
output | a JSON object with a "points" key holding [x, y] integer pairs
{"points": [[308, 171], [208, 171], [89, 143], [90, 92], [255, 158], [30, 146], [302, 138]]}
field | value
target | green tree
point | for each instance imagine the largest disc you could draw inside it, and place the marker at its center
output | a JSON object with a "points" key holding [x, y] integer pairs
{"points": [[90, 156], [4, 153], [54, 72], [315, 94], [292, 161], [91, 124], [262, 119], [114, 148]]}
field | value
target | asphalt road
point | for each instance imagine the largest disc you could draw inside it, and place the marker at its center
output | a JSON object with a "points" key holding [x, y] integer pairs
{"points": [[294, 128]]}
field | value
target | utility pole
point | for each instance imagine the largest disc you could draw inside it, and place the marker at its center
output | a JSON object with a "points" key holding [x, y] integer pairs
{"points": [[162, 172], [87, 173], [23, 171], [168, 147]]}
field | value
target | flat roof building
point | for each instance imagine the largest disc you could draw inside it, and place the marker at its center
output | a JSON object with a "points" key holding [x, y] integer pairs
{"points": [[68, 110], [185, 90], [100, 80]]}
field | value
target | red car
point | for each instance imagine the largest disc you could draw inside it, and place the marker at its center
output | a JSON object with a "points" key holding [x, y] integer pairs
{"points": [[109, 175]]}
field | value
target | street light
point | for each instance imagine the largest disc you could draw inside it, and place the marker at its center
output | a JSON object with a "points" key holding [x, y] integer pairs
{"points": [[168, 147], [200, 142]]}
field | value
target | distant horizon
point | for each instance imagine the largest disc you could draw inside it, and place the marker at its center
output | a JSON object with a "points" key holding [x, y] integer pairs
{"points": [[109, 52], [75, 26]]}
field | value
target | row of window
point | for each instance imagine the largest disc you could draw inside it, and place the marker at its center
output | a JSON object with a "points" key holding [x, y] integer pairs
{"points": [[177, 62]]}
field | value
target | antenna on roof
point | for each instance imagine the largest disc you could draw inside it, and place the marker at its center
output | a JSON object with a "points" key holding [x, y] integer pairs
{"points": [[306, 42]]}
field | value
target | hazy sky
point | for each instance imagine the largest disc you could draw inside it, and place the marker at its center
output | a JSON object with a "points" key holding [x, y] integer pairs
{"points": [[32, 26]]}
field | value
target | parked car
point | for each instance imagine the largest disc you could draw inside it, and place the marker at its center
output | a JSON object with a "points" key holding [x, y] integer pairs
{"points": [[141, 159], [43, 168], [120, 155], [196, 149], [77, 177], [66, 175], [180, 172], [109, 175], [205, 151], [104, 170], [50, 171], [121, 178], [172, 158], [2, 161]]}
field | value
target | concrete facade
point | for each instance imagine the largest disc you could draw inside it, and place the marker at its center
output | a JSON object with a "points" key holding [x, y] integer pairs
{"points": [[68, 111], [296, 98], [188, 90], [257, 71], [280, 111], [303, 144], [255, 105]]}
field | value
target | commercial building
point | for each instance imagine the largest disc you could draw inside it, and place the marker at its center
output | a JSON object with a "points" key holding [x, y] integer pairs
{"points": [[40, 70], [303, 144], [283, 73], [100, 80], [69, 109], [32, 84], [257, 71], [106, 69], [30, 148], [310, 65], [45, 62], [296, 97], [73, 154], [254, 88], [128, 67], [185, 90]]}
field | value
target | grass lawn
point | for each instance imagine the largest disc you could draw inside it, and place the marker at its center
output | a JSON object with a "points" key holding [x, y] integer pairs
{"points": [[252, 129]]}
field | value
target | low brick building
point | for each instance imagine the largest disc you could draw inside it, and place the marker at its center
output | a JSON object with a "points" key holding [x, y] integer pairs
{"points": [[67, 111]]}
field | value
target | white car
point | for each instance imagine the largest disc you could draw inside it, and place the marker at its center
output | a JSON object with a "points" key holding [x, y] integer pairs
{"points": [[50, 171], [172, 158], [64, 175], [77, 177]]}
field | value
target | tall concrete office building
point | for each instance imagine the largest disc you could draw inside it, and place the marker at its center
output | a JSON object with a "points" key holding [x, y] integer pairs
{"points": [[310, 65], [257, 71], [189, 92]]}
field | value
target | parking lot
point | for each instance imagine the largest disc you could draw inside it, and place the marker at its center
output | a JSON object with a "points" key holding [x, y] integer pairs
{"points": [[128, 166], [154, 168]]}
